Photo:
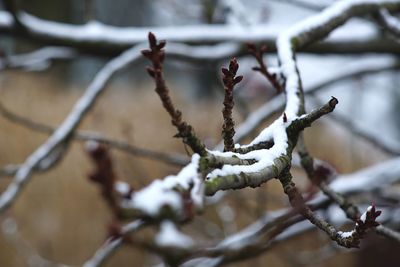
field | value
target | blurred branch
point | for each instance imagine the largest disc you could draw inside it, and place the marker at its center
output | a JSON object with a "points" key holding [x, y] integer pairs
{"points": [[262, 68], [31, 257], [112, 244], [388, 145], [389, 233], [64, 131], [229, 80], [9, 170], [389, 21], [169, 158], [97, 38], [237, 13], [319, 176], [37, 60], [311, 5]]}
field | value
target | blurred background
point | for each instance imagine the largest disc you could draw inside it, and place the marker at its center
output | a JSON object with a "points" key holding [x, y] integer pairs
{"points": [[62, 217]]}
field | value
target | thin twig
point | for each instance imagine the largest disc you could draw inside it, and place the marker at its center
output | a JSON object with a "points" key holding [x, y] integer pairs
{"points": [[262, 68], [230, 80], [156, 55]]}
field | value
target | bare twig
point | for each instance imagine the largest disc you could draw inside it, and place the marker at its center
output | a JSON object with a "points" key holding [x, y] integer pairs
{"points": [[262, 68], [156, 55], [230, 80], [387, 144]]}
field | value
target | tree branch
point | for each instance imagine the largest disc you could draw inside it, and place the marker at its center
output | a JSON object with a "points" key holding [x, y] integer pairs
{"points": [[79, 135], [63, 132], [185, 131], [97, 38], [230, 80]]}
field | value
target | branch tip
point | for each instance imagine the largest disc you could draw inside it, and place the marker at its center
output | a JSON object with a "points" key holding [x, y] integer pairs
{"points": [[262, 68], [333, 102], [229, 80], [156, 55]]}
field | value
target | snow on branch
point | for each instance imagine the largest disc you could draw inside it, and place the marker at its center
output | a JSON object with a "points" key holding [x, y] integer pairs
{"points": [[277, 104], [176, 196], [360, 183], [95, 37], [37, 60], [389, 21], [168, 195], [70, 123], [175, 199]]}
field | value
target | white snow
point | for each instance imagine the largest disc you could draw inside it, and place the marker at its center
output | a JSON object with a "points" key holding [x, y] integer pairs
{"points": [[346, 234], [391, 21], [363, 217], [264, 157], [170, 236], [160, 192]]}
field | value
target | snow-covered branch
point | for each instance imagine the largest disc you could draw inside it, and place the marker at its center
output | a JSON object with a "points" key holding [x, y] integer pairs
{"points": [[169, 196], [97, 38], [390, 22], [277, 104], [37, 60], [64, 131], [165, 203]]}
